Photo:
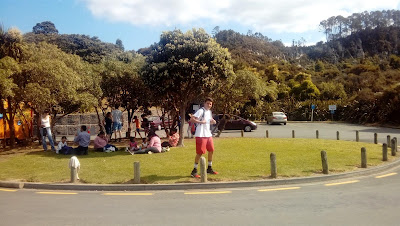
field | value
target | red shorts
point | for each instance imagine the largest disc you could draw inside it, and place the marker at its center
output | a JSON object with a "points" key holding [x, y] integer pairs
{"points": [[203, 144]]}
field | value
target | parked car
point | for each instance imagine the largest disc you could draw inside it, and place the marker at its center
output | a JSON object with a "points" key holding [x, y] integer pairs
{"points": [[234, 122], [277, 118], [156, 122]]}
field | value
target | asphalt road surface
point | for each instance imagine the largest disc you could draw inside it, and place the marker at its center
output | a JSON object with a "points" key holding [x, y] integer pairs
{"points": [[356, 201]]}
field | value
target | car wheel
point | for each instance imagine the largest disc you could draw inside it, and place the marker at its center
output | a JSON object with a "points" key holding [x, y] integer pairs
{"points": [[247, 128], [159, 127], [284, 123]]}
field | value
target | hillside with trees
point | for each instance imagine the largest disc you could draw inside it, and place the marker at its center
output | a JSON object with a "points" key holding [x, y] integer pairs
{"points": [[357, 69]]}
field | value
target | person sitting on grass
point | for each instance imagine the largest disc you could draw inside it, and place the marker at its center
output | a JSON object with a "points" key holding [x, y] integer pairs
{"points": [[83, 140], [144, 143], [63, 147], [154, 145], [101, 143], [173, 138], [133, 146]]}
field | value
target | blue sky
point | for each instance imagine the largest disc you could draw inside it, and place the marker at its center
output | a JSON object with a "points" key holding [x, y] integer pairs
{"points": [[139, 23]]}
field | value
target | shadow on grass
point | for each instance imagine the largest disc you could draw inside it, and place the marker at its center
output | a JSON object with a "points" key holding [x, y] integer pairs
{"points": [[152, 179], [91, 154]]}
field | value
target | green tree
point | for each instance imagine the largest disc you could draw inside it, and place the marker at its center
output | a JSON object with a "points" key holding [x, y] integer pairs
{"points": [[184, 66], [46, 27], [238, 90], [122, 84]]}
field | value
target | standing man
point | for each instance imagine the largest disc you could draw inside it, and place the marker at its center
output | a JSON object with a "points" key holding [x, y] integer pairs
{"points": [[117, 122], [83, 140], [46, 131], [203, 118]]}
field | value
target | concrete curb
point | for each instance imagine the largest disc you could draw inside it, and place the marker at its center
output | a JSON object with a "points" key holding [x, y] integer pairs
{"points": [[189, 186]]}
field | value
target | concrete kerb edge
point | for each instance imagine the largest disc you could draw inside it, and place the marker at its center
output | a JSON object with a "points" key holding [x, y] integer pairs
{"points": [[189, 186]]}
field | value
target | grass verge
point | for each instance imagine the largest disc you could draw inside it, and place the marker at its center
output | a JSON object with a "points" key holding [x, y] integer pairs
{"points": [[235, 159]]}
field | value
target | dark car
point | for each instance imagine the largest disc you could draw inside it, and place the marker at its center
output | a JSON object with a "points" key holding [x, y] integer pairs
{"points": [[234, 122], [156, 122]]}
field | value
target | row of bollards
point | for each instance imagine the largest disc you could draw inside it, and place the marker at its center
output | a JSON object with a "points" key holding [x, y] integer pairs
{"points": [[74, 163], [337, 136]]}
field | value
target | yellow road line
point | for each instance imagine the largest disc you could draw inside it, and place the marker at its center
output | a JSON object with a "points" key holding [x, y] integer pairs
{"points": [[340, 183], [56, 193], [386, 175], [206, 193], [125, 194], [9, 190], [280, 189]]}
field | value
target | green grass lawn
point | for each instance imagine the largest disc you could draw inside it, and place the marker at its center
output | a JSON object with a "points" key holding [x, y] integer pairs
{"points": [[235, 159]]}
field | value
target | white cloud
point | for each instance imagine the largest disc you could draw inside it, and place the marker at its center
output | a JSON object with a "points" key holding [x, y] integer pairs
{"points": [[261, 15]]}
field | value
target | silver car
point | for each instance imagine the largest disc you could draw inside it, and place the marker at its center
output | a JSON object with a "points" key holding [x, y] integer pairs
{"points": [[277, 118]]}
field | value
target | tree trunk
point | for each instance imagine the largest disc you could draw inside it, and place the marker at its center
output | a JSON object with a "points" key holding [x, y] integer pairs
{"points": [[38, 126], [3, 112], [182, 111], [102, 129], [11, 123]]}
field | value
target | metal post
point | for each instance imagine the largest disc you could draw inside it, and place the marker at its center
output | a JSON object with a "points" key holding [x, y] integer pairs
{"points": [[317, 134], [337, 135], [393, 143], [375, 138], [293, 134], [388, 139], [357, 136], [266, 134]]}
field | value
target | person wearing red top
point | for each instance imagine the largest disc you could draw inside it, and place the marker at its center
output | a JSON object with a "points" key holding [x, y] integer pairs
{"points": [[137, 125]]}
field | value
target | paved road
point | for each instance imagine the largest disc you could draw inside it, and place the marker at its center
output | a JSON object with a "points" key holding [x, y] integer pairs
{"points": [[357, 201], [326, 131]]}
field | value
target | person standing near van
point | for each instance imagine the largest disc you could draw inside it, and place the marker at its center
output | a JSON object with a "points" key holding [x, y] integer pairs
{"points": [[46, 131], [117, 122], [204, 142]]}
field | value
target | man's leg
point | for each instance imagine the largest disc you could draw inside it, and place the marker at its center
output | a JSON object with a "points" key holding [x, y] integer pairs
{"points": [[210, 149]]}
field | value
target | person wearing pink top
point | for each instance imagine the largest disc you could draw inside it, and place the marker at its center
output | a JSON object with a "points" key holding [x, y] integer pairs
{"points": [[154, 145], [101, 142]]}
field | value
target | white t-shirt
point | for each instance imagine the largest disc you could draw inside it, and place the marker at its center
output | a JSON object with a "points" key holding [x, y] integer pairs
{"points": [[117, 114], [46, 121], [203, 130]]}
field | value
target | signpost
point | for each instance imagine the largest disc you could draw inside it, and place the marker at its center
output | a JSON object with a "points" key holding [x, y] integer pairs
{"points": [[312, 112], [332, 108]]}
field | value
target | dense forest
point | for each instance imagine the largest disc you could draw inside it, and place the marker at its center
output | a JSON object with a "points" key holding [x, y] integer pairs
{"points": [[357, 69]]}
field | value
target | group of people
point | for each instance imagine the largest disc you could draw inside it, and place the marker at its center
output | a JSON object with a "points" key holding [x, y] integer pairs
{"points": [[113, 122]]}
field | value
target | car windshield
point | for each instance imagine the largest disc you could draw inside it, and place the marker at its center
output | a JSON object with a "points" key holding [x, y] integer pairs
{"points": [[153, 118], [278, 113]]}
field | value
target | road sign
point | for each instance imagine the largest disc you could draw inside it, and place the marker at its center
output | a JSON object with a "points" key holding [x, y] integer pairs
{"points": [[313, 106], [332, 107]]}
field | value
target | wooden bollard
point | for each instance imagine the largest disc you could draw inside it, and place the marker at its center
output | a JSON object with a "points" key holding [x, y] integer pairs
{"points": [[266, 134], [293, 134], [74, 174], [395, 143], [384, 152], [242, 132], [317, 134], [392, 145], [273, 165], [203, 168], [324, 159], [388, 139], [337, 135], [357, 136], [136, 172], [363, 157], [375, 138]]}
